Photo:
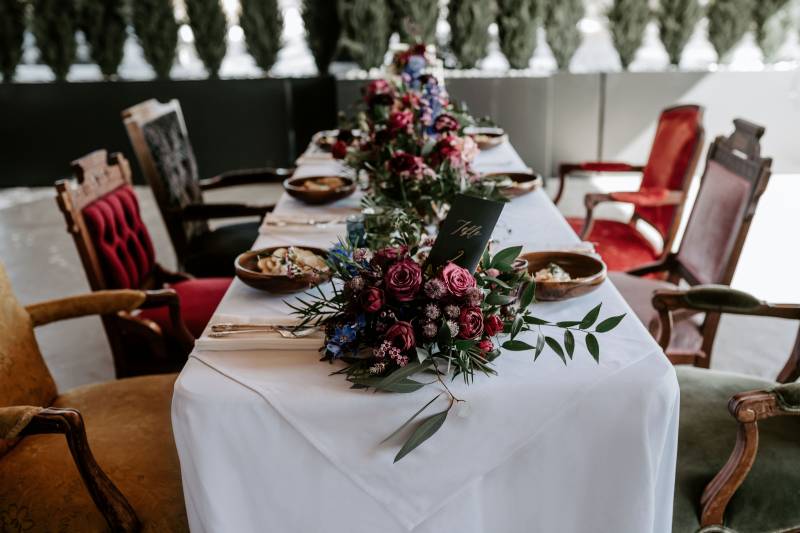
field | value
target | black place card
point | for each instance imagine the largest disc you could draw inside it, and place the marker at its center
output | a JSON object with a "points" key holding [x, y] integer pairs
{"points": [[466, 231]]}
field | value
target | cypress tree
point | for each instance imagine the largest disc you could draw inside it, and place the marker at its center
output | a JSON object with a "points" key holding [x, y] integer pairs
{"points": [[262, 23], [469, 29], [12, 32], [157, 31], [321, 21], [676, 22], [210, 28], [727, 23], [561, 19], [415, 20], [516, 24], [365, 30], [54, 25], [763, 11], [104, 24], [627, 20]]}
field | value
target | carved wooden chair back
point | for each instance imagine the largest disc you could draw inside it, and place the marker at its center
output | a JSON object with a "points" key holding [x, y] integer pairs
{"points": [[160, 140], [673, 158]]}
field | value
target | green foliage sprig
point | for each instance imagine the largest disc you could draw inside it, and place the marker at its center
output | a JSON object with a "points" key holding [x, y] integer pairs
{"points": [[516, 24], [469, 30], [561, 29], [262, 23], [54, 25], [321, 21], [415, 19], [12, 35], [210, 28], [727, 23], [676, 22], [365, 31], [104, 23], [157, 31], [627, 20]]}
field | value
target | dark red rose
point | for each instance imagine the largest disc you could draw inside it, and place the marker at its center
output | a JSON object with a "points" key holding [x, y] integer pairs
{"points": [[446, 149], [339, 150], [403, 280], [457, 280], [493, 325], [400, 121], [485, 345], [378, 92], [384, 256], [445, 123], [406, 165], [418, 49], [401, 335], [372, 299], [470, 323]]}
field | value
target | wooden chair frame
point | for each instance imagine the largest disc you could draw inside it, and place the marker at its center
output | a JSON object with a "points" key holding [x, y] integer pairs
{"points": [[135, 118], [747, 407], [675, 198], [131, 336], [756, 170]]}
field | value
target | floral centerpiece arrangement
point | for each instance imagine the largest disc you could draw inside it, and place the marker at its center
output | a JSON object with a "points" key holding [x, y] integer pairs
{"points": [[392, 316]]}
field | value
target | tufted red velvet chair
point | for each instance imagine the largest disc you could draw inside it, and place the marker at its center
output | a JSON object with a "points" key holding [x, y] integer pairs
{"points": [[658, 202], [102, 213], [734, 179]]}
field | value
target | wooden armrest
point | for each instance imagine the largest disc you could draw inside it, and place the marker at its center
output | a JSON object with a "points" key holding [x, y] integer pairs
{"points": [[208, 211], [565, 169], [165, 275], [645, 198], [747, 408], [246, 177], [14, 419], [93, 303], [106, 496]]}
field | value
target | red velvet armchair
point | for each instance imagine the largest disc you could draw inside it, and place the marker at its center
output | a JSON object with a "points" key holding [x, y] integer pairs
{"points": [[102, 214], [658, 202]]}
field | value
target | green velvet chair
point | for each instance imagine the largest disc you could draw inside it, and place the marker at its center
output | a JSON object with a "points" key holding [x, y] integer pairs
{"points": [[739, 436]]}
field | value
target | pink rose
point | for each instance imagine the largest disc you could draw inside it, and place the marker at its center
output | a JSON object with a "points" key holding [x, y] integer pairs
{"points": [[339, 150], [401, 335], [493, 325], [485, 345], [372, 299], [403, 280], [458, 280], [470, 323], [445, 123], [447, 149], [400, 121]]}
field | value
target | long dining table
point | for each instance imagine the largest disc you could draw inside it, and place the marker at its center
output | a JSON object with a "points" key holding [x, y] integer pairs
{"points": [[269, 440]]}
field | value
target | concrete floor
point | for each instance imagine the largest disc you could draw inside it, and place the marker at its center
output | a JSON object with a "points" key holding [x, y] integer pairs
{"points": [[42, 263]]}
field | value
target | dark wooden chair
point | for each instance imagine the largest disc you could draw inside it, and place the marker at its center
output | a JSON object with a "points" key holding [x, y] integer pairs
{"points": [[660, 199], [735, 177], [161, 142], [118, 469], [102, 214], [753, 422]]}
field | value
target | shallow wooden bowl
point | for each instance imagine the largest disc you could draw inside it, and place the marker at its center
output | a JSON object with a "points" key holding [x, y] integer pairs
{"points": [[247, 270], [487, 137], [587, 274], [521, 182], [293, 186]]}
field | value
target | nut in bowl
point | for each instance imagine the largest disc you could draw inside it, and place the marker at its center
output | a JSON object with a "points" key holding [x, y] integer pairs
{"points": [[319, 190], [283, 269], [513, 184], [564, 275]]}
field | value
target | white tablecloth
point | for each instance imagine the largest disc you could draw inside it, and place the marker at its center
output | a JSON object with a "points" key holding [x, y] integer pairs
{"points": [[541, 447]]}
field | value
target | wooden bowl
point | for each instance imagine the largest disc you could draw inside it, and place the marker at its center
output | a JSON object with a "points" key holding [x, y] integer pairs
{"points": [[294, 186], [247, 270], [486, 137], [587, 274], [521, 182]]}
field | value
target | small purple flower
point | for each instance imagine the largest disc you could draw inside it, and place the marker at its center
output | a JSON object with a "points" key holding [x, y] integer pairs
{"points": [[429, 330], [432, 311], [474, 296], [452, 311], [435, 289]]}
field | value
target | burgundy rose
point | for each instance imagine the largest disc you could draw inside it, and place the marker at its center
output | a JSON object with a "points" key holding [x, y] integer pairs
{"points": [[407, 165], [447, 149], [339, 150], [493, 325], [445, 123], [372, 299], [401, 335], [378, 92], [400, 121], [485, 345], [470, 323], [403, 280], [458, 280], [384, 256]]}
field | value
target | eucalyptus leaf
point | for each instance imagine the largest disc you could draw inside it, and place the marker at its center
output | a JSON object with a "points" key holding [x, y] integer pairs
{"points": [[530, 319], [528, 294], [568, 323], [517, 346], [516, 326], [609, 323], [422, 354], [539, 347], [553, 344], [569, 343], [415, 415], [506, 256], [591, 317], [424, 431], [499, 282], [401, 373], [593, 346], [404, 385], [495, 298]]}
